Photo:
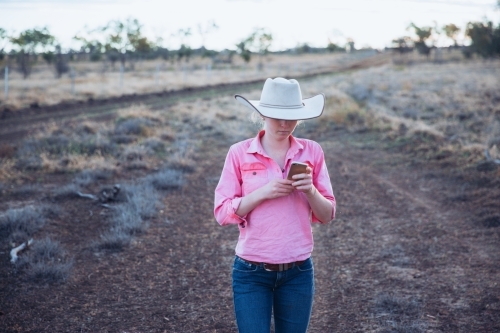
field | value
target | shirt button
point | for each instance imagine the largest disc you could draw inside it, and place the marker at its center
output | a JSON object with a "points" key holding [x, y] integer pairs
{"points": [[254, 173]]}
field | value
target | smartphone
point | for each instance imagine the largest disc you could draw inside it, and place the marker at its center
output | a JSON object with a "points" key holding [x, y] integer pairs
{"points": [[296, 168]]}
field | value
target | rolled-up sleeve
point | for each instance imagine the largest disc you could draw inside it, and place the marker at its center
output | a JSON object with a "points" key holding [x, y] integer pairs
{"points": [[228, 193], [321, 181]]}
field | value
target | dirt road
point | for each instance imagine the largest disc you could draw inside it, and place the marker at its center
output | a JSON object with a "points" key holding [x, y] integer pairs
{"points": [[411, 250]]}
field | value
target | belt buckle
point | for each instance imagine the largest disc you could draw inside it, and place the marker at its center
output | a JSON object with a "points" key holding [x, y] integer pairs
{"points": [[281, 268]]}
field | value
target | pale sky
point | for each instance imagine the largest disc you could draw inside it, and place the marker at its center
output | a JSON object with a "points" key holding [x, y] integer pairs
{"points": [[369, 22]]}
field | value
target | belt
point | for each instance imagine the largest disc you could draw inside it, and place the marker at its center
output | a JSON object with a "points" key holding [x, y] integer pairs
{"points": [[275, 267]]}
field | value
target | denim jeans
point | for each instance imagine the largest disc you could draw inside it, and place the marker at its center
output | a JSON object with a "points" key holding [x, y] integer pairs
{"points": [[257, 293]]}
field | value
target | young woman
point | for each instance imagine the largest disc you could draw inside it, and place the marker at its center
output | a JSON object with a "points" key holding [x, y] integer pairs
{"points": [[273, 270]]}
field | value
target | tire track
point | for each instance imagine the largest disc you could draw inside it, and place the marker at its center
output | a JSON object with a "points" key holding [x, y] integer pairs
{"points": [[14, 125]]}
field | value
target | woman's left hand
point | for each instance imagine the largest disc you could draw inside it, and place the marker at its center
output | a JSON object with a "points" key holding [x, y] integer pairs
{"points": [[303, 182]]}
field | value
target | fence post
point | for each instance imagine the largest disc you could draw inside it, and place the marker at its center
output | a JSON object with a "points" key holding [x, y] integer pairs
{"points": [[6, 82], [121, 75], [72, 75], [157, 75], [209, 70]]}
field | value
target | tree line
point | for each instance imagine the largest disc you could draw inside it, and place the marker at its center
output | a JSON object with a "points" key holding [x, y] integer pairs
{"points": [[124, 41], [484, 38]]}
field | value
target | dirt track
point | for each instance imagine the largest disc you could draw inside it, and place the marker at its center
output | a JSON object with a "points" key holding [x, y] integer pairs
{"points": [[15, 124], [409, 231]]}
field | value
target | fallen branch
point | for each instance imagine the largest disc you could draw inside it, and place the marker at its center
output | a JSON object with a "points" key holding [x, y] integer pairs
{"points": [[16, 250], [85, 195], [488, 157], [491, 143]]}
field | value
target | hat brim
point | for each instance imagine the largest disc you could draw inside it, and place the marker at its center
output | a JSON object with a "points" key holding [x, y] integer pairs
{"points": [[312, 108]]}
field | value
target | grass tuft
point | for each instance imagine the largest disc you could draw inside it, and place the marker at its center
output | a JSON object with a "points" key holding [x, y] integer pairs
{"points": [[19, 224], [25, 191], [43, 273], [127, 218], [68, 191], [398, 315], [114, 240], [166, 180], [133, 126], [90, 176], [143, 198], [46, 262]]}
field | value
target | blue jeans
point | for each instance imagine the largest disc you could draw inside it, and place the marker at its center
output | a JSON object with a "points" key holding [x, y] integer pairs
{"points": [[257, 293]]}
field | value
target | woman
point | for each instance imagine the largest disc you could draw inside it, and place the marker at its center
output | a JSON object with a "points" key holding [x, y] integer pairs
{"points": [[273, 270]]}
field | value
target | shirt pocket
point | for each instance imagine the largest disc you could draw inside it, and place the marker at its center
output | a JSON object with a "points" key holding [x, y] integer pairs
{"points": [[311, 165], [253, 176]]}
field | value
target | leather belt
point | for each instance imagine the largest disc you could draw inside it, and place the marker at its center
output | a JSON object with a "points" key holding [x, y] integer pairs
{"points": [[275, 267]]}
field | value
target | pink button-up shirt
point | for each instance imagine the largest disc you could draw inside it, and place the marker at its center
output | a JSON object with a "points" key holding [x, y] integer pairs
{"points": [[278, 230]]}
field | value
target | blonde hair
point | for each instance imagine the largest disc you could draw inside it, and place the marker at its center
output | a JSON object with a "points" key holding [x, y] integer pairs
{"points": [[258, 119]]}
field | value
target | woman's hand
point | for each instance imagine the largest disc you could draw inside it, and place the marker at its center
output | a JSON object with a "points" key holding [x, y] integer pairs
{"points": [[303, 182], [274, 189], [277, 188]]}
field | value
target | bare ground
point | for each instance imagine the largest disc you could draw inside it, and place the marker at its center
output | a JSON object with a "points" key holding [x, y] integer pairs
{"points": [[414, 248]]}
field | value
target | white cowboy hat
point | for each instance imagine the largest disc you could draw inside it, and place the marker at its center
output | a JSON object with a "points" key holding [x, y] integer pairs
{"points": [[282, 99]]}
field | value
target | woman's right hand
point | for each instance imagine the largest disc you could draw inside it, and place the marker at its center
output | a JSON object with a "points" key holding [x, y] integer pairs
{"points": [[274, 189], [277, 188]]}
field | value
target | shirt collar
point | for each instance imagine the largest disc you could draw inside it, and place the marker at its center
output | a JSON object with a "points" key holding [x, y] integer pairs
{"points": [[256, 146]]}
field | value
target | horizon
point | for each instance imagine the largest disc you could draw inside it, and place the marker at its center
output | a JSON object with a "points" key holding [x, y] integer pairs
{"points": [[369, 24]]}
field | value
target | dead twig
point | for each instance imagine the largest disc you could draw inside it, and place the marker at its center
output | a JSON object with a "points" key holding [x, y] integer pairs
{"points": [[88, 196], [16, 250]]}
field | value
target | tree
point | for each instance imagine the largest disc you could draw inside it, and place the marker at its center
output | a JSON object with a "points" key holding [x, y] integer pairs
{"points": [[3, 42], [485, 38], [332, 47], [28, 44], [259, 41], [423, 35], [403, 44], [451, 31], [61, 62], [243, 48], [349, 46], [210, 27], [124, 37], [93, 47], [184, 50]]}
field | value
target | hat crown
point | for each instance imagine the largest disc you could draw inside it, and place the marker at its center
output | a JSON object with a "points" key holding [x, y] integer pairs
{"points": [[282, 93]]}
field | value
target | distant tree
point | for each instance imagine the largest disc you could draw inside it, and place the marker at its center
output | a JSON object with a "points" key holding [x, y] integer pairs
{"points": [[259, 41], [349, 47], [124, 37], [28, 44], [243, 51], [332, 47], [93, 47], [264, 40], [4, 38], [61, 62], [185, 50], [451, 31], [403, 44], [303, 48], [485, 38], [423, 35], [204, 31]]}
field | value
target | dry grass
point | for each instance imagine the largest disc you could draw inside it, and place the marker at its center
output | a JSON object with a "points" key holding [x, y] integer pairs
{"points": [[99, 80], [455, 104], [452, 108]]}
